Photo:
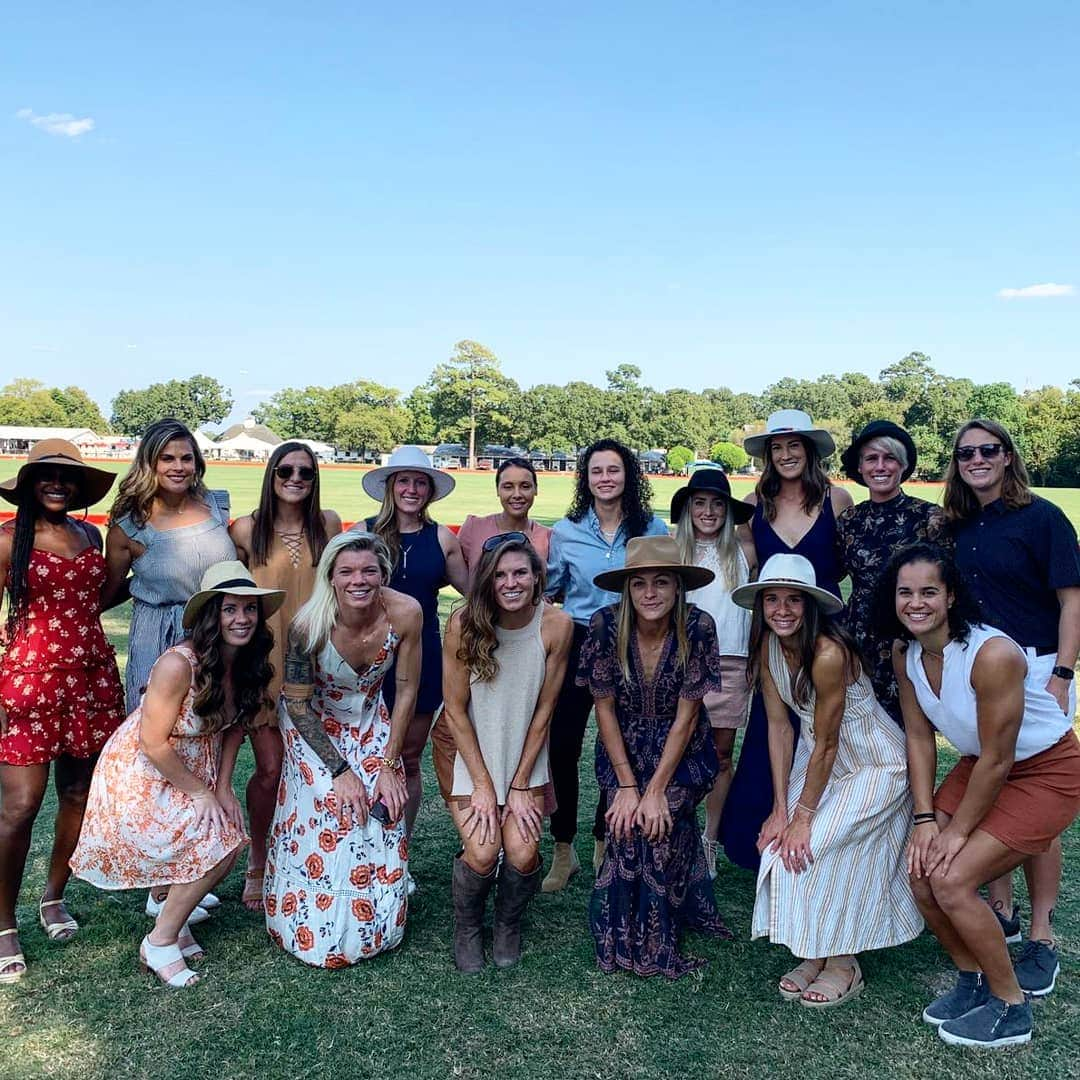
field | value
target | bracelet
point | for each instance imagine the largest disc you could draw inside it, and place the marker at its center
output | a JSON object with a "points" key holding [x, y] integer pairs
{"points": [[512, 788], [810, 810], [342, 768], [391, 763], [616, 764], [926, 821], [634, 786], [929, 815]]}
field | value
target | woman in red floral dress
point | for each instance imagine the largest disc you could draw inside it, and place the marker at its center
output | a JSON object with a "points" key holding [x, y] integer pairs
{"points": [[60, 692]]}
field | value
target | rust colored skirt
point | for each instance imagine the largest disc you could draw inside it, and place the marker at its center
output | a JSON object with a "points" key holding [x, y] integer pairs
{"points": [[1038, 801]]}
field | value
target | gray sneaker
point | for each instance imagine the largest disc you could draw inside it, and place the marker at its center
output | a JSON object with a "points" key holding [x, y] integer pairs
{"points": [[968, 994], [1010, 927], [992, 1025], [1037, 968]]}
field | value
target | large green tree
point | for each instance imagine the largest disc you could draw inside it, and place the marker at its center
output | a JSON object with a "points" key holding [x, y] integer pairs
{"points": [[30, 402], [195, 401], [318, 412]]}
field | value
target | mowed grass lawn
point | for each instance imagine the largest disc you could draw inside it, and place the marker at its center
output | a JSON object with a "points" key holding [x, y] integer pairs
{"points": [[84, 1009]]}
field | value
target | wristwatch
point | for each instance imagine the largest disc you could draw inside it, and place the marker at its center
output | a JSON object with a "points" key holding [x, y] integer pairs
{"points": [[391, 763], [1061, 672]]}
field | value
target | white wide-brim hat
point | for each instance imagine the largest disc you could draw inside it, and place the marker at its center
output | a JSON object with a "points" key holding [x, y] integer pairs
{"points": [[230, 578], [789, 572], [407, 459], [790, 422]]}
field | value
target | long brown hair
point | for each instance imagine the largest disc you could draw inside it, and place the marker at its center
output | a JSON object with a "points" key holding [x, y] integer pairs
{"points": [[815, 480], [815, 624], [251, 669], [262, 530], [137, 490], [384, 525], [481, 611], [960, 501], [626, 625]]}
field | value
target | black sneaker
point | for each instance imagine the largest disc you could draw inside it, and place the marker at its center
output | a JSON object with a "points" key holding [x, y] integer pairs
{"points": [[994, 1024], [1037, 968], [968, 994], [1010, 927]]}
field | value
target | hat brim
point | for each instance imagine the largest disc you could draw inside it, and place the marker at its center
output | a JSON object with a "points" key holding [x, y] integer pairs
{"points": [[374, 482], [755, 445], [93, 488], [272, 600], [741, 512], [745, 595], [850, 457], [694, 577]]}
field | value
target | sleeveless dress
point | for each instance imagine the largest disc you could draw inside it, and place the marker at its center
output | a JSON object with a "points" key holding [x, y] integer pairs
{"points": [[750, 797], [139, 829], [59, 683], [856, 894], [298, 581], [334, 896], [501, 710], [163, 579]]}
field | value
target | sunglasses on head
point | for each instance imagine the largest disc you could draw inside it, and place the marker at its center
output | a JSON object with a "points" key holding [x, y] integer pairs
{"points": [[286, 472], [492, 542], [987, 451]]}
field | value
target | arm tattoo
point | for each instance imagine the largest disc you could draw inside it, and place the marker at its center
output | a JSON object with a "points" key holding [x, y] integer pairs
{"points": [[297, 691]]}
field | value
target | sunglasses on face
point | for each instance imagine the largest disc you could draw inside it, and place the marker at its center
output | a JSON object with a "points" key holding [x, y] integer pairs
{"points": [[492, 542], [286, 472], [988, 451]]}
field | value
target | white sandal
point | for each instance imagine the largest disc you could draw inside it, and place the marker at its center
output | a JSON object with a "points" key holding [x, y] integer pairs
{"points": [[157, 958], [153, 909], [210, 902], [190, 949], [57, 931], [711, 849], [7, 976]]}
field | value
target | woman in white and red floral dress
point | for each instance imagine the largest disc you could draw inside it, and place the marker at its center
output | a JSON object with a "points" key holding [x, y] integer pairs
{"points": [[337, 859]]}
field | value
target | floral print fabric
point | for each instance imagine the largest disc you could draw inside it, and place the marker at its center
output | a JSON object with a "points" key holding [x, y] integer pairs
{"points": [[139, 829], [646, 892], [334, 896], [59, 684]]}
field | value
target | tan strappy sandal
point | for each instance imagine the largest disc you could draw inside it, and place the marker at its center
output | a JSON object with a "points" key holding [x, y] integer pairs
{"points": [[8, 976], [835, 985], [252, 896], [802, 976], [56, 931]]}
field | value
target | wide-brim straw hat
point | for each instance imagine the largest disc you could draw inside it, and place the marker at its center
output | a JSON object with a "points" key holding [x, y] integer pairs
{"points": [[93, 485], [654, 553], [231, 578], [790, 422], [407, 459], [716, 481], [789, 572], [878, 429]]}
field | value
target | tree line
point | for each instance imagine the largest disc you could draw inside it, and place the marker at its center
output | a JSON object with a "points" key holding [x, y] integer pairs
{"points": [[469, 397]]}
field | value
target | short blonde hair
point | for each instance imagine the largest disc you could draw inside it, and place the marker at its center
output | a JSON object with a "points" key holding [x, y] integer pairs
{"points": [[886, 444]]}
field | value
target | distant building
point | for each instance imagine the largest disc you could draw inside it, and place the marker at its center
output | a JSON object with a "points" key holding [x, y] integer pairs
{"points": [[249, 441], [450, 456], [16, 439], [653, 462], [552, 461]]}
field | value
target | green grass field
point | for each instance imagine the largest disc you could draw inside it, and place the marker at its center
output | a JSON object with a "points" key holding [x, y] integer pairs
{"points": [[84, 1010]]}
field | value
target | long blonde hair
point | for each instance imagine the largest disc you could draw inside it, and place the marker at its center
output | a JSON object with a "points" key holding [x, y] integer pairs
{"points": [[727, 545], [627, 625], [384, 524], [315, 621], [137, 490]]}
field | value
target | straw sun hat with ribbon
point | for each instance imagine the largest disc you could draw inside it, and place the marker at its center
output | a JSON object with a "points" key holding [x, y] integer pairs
{"points": [[654, 553], [231, 578], [788, 572], [93, 483], [789, 422], [407, 459]]}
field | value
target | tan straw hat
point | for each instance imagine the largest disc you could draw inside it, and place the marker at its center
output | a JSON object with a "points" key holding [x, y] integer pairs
{"points": [[407, 459], [654, 553], [788, 572], [94, 483], [230, 578]]}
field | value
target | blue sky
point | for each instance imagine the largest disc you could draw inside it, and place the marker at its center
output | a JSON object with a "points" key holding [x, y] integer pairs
{"points": [[723, 194]]}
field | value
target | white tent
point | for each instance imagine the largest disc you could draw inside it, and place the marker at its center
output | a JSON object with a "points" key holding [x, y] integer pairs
{"points": [[203, 441], [243, 446]]}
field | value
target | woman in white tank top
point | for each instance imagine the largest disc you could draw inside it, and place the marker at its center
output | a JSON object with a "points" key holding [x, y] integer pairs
{"points": [[504, 657], [1015, 789], [707, 521]]}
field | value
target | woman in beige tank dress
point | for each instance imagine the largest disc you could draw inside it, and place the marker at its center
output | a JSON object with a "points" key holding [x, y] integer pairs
{"points": [[504, 657], [280, 542]]}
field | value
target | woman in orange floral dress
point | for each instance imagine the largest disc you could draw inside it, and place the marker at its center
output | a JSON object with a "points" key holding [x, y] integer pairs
{"points": [[161, 809], [335, 889]]}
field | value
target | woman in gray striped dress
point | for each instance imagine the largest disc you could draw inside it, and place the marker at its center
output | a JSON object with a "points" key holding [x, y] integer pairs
{"points": [[833, 880]]}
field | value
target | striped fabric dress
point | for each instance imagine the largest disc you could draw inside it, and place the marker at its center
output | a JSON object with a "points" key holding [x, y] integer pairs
{"points": [[856, 894]]}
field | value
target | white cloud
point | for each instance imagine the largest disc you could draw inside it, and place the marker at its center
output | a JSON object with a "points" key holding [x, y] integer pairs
{"points": [[1028, 292], [58, 123]]}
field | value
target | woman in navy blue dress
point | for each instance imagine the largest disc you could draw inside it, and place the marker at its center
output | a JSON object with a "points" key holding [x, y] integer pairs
{"points": [[795, 511]]}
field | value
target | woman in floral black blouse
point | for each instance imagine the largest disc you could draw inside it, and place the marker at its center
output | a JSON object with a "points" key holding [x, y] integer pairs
{"points": [[881, 457]]}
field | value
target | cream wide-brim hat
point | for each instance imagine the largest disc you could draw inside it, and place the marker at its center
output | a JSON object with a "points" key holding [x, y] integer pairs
{"points": [[788, 572], [790, 422], [230, 578], [407, 459]]}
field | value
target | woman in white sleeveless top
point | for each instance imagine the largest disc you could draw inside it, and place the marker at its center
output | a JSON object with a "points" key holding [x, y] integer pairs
{"points": [[504, 657], [707, 518], [1015, 789]]}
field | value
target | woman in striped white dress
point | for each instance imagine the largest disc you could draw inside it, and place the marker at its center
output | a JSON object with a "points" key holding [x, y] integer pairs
{"points": [[833, 880]]}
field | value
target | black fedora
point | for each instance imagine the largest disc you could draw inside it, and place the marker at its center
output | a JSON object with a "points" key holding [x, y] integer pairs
{"points": [[878, 429], [716, 481]]}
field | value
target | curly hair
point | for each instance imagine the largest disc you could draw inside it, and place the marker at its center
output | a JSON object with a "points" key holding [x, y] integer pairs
{"points": [[480, 612], [960, 502], [637, 491], [262, 531], [815, 481], [251, 669], [964, 611]]}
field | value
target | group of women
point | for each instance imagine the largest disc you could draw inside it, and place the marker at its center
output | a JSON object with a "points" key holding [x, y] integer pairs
{"points": [[324, 647]]}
